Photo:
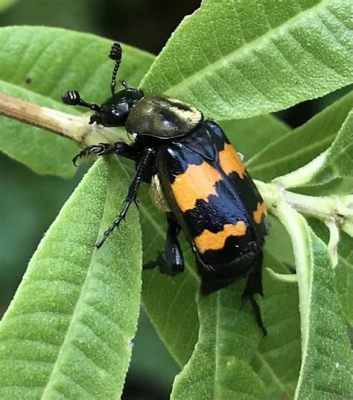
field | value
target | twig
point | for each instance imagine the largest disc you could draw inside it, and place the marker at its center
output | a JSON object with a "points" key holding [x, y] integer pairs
{"points": [[72, 127]]}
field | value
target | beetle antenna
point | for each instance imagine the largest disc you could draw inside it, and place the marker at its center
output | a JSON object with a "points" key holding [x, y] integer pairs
{"points": [[115, 54], [73, 98]]}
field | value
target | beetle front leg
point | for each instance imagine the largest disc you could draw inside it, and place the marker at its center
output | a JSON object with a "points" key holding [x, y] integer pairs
{"points": [[171, 261], [143, 165], [102, 149]]}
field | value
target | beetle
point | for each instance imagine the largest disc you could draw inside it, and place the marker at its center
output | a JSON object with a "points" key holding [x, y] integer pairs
{"points": [[201, 179]]}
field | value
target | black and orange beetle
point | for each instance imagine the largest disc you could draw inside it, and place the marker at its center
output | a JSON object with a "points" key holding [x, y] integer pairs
{"points": [[207, 190]]}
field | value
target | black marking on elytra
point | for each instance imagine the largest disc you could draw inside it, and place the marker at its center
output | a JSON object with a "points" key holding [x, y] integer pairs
{"points": [[223, 208]]}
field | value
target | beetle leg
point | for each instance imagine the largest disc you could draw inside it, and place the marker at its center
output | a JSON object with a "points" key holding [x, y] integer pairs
{"points": [[171, 261], [102, 149], [254, 286], [132, 193]]}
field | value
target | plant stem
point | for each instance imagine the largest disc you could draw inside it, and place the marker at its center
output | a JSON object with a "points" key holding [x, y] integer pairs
{"points": [[72, 127], [336, 212], [303, 175]]}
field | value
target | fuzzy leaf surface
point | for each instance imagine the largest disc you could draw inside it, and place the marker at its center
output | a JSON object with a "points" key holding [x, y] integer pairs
{"points": [[241, 58], [67, 334], [344, 268], [219, 367], [277, 360], [327, 369], [301, 145], [344, 276], [42, 151], [250, 136], [335, 175]]}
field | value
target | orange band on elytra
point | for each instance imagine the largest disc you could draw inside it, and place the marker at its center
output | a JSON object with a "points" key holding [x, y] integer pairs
{"points": [[208, 240], [196, 183], [230, 161]]}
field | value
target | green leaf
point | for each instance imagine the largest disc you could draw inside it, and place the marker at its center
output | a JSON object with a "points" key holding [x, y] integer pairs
{"points": [[68, 60], [249, 136], [39, 64], [277, 360], [301, 145], [241, 58], [344, 276], [42, 151], [335, 174], [344, 268], [327, 370], [219, 367], [67, 333]]}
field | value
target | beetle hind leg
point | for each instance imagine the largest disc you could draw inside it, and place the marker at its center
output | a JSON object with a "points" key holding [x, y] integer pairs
{"points": [[171, 261], [254, 286]]}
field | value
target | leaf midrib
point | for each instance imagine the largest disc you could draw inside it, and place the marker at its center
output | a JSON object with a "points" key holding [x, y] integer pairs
{"points": [[78, 305], [201, 74]]}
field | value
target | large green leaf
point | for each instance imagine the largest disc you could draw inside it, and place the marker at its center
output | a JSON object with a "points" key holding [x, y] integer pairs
{"points": [[335, 172], [301, 145], [50, 61], [327, 369], [343, 269], [250, 136], [42, 151], [277, 360], [39, 64], [228, 338], [344, 276], [241, 58], [67, 333]]}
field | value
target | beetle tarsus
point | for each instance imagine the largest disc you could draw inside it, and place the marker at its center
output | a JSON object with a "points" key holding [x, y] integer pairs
{"points": [[103, 149], [97, 149]]}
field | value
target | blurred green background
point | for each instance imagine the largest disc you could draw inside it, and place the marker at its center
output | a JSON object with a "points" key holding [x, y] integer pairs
{"points": [[146, 24]]}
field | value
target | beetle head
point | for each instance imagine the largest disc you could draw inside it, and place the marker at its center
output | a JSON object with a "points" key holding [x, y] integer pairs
{"points": [[115, 110]]}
